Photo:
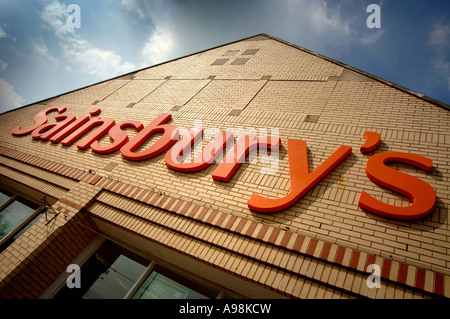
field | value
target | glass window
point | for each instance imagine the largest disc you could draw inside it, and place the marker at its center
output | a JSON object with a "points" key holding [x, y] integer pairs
{"points": [[163, 283], [4, 197], [28, 225], [13, 215], [114, 272], [108, 274]]}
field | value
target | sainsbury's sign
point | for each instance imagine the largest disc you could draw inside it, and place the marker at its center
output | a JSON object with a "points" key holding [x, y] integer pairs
{"points": [[68, 129]]}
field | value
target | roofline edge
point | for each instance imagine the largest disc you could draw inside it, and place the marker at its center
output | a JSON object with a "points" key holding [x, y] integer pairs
{"points": [[369, 75], [374, 77]]}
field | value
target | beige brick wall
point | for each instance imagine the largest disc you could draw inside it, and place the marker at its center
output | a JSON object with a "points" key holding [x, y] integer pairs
{"points": [[36, 258], [277, 87]]}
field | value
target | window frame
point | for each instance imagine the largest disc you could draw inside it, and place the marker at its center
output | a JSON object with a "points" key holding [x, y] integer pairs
{"points": [[154, 264], [5, 241], [58, 284]]}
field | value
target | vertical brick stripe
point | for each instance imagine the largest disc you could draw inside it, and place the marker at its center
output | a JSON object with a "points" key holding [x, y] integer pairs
{"points": [[262, 232], [298, 243], [141, 196], [325, 250], [251, 228], [420, 278], [194, 210], [439, 284], [72, 173], [112, 185], [230, 222], [137, 190], [79, 174], [211, 216], [240, 225], [124, 189], [312, 247], [147, 197], [177, 206], [163, 200], [53, 166], [221, 219], [386, 269], [107, 184], [402, 273], [340, 255], [274, 235], [185, 208], [102, 181], [286, 238], [370, 261], [201, 215], [155, 199], [355, 259]]}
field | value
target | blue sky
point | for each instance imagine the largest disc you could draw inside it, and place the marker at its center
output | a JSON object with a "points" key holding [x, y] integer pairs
{"points": [[41, 55]]}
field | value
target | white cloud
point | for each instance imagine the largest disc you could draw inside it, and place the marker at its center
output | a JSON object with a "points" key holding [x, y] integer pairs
{"points": [[134, 6], [372, 37], [94, 61], [329, 27], [42, 52], [158, 48], [3, 65], [318, 16], [9, 99], [155, 10], [324, 18], [55, 15], [439, 39], [440, 36], [80, 54], [160, 45], [3, 34]]}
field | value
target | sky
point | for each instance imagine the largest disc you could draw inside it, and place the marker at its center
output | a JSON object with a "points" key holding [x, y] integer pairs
{"points": [[51, 47]]}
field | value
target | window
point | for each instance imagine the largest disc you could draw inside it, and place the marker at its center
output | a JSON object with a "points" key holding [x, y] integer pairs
{"points": [[163, 283], [108, 274], [17, 214], [4, 197], [114, 272]]}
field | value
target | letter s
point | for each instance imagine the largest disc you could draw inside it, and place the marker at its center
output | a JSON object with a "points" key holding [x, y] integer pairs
{"points": [[422, 195], [39, 119]]}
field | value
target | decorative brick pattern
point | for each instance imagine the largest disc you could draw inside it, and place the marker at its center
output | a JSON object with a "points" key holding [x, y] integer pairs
{"points": [[319, 247], [343, 257]]}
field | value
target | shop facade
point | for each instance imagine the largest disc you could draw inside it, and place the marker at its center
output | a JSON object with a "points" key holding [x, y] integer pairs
{"points": [[306, 178]]}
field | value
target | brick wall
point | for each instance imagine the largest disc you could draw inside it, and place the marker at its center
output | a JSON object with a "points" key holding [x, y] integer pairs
{"points": [[303, 96]]}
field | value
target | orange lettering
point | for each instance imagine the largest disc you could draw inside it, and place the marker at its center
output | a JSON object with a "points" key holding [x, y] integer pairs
{"points": [[237, 155], [373, 139], [45, 131], [301, 179], [205, 159], [105, 125], [69, 129], [422, 195], [157, 125], [39, 119], [119, 137]]}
